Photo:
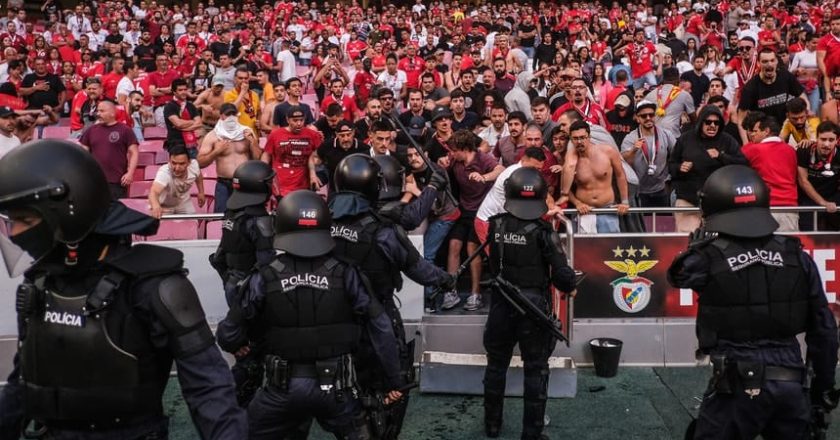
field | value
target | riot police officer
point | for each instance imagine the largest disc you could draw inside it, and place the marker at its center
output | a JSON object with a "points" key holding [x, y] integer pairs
{"points": [[390, 205], [382, 250], [524, 252], [246, 242], [100, 322], [757, 291], [304, 311]]}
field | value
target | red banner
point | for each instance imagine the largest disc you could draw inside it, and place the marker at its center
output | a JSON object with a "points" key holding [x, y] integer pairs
{"points": [[626, 276]]}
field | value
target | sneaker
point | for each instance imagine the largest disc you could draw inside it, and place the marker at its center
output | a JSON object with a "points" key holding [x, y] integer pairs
{"points": [[474, 302], [450, 300]]}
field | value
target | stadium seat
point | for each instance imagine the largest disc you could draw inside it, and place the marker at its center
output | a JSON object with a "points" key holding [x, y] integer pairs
{"points": [[139, 189], [56, 132], [139, 174], [146, 158], [64, 122], [140, 205], [150, 172], [209, 187], [214, 230], [176, 230], [209, 172], [152, 133], [161, 157], [664, 223], [151, 146]]}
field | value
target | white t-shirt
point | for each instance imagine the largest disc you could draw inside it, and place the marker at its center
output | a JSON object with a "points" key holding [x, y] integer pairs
{"points": [[289, 67], [7, 144], [494, 201], [394, 82], [176, 191], [125, 86]]}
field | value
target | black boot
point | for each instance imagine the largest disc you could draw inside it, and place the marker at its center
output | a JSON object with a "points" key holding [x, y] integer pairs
{"points": [[493, 410]]}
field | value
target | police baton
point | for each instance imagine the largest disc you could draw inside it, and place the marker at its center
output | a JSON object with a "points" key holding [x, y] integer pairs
{"points": [[463, 266], [422, 153]]}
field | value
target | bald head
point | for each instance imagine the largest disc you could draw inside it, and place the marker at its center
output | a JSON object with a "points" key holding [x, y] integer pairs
{"points": [[107, 111], [533, 136]]}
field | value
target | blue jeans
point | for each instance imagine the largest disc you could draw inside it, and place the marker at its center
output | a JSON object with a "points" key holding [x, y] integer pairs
{"points": [[814, 100], [530, 51], [607, 223], [649, 78], [432, 240], [223, 190]]}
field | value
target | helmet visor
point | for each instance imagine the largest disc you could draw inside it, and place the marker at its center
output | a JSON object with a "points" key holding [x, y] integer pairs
{"points": [[25, 238]]}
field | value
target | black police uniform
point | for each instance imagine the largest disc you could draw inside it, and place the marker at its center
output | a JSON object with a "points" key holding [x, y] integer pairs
{"points": [[383, 251], [246, 243], [412, 214], [304, 311], [101, 322], [524, 252], [757, 292]]}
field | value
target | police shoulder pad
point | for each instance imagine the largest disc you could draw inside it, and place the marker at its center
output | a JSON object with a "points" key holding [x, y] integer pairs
{"points": [[144, 260], [265, 226]]}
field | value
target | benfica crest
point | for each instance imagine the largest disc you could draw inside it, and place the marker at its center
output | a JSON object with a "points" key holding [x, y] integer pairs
{"points": [[631, 293]]}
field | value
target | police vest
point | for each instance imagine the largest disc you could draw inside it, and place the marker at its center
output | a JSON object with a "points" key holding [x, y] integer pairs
{"points": [[753, 293], [307, 315], [239, 251], [522, 260], [86, 356], [355, 242]]}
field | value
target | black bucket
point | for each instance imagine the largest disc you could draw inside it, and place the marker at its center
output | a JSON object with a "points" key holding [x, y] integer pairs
{"points": [[606, 353]]}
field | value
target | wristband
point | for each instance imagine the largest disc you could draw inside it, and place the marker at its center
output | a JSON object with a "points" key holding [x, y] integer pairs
{"points": [[625, 202]]}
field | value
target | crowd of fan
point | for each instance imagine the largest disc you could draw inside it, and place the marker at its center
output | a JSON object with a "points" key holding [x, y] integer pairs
{"points": [[619, 106]]}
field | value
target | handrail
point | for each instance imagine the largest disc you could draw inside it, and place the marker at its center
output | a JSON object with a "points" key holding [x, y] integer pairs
{"points": [[673, 209]]}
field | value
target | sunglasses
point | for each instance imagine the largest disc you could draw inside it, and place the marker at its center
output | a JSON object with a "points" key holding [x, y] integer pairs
{"points": [[646, 115], [711, 123], [745, 48]]}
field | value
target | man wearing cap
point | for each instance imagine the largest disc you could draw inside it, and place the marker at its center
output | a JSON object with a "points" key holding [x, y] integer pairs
{"points": [[646, 149], [757, 292], [333, 150], [288, 149], [209, 102], [8, 140], [620, 118], [228, 145]]}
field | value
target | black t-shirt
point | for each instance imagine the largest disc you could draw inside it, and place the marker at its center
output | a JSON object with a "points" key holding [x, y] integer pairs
{"points": [[324, 127], [145, 54], [472, 99], [825, 180], [527, 42], [699, 85], [114, 38], [331, 154], [620, 127], [770, 98], [469, 122], [173, 135], [40, 98], [280, 110]]}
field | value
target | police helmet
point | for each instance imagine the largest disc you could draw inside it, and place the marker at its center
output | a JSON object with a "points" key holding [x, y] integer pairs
{"points": [[251, 184], [736, 201], [359, 173], [57, 181], [393, 178], [525, 194], [302, 225]]}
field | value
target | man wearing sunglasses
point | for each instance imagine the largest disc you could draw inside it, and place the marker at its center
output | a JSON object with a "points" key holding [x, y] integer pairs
{"points": [[745, 65]]}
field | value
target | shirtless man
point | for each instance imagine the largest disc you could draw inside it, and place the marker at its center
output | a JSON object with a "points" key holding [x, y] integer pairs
{"points": [[229, 144], [592, 167], [267, 114], [830, 110], [209, 102]]}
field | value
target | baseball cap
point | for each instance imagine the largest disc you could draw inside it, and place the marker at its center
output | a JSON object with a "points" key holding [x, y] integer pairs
{"points": [[295, 111], [5, 112], [344, 126], [645, 104], [441, 112], [416, 126], [623, 101], [217, 81]]}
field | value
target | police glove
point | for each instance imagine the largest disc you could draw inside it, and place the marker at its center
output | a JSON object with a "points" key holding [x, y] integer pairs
{"points": [[449, 282], [700, 237], [438, 181]]}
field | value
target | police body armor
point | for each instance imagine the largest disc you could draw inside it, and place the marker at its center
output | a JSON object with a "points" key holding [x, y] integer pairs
{"points": [[307, 315], [355, 242], [522, 259], [239, 251], [85, 356], [753, 293]]}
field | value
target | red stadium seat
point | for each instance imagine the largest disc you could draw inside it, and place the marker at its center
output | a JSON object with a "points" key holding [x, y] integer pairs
{"points": [[139, 189], [139, 172], [214, 230], [210, 171], [176, 230], [150, 172], [161, 157], [146, 158], [56, 132], [151, 146], [152, 133], [139, 205]]}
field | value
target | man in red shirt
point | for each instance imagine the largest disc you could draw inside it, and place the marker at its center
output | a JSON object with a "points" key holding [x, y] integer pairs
{"points": [[348, 104], [363, 83], [287, 150], [590, 111], [412, 65], [828, 52], [775, 161], [83, 107], [190, 37], [160, 86], [112, 79], [641, 53]]}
